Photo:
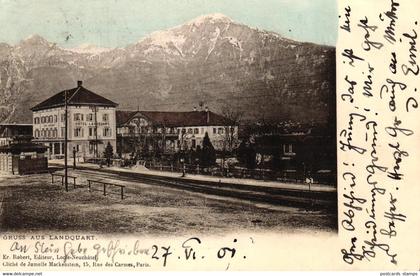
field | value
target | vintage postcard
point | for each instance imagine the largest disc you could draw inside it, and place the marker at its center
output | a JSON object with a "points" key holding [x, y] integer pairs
{"points": [[209, 135]]}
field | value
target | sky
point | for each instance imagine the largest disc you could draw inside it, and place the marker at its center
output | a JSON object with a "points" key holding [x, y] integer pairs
{"points": [[117, 23]]}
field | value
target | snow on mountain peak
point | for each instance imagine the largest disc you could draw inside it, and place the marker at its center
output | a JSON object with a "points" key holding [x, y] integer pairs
{"points": [[88, 49], [162, 38], [168, 40], [173, 39], [35, 39], [212, 18]]}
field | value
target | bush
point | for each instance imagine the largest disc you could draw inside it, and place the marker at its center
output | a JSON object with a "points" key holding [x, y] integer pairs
{"points": [[108, 154], [247, 154], [208, 154]]}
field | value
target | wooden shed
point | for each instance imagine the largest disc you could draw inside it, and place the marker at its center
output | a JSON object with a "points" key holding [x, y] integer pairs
{"points": [[23, 157]]}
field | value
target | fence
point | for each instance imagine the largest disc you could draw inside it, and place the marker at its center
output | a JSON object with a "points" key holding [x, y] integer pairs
{"points": [[259, 174], [90, 184]]}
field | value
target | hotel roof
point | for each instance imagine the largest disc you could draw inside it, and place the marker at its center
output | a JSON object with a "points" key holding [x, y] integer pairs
{"points": [[76, 96], [175, 119]]}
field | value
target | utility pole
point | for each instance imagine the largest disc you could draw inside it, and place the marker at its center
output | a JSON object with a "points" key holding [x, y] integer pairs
{"points": [[65, 142], [74, 158]]}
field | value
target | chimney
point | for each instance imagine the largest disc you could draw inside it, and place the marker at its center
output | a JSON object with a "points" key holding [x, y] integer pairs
{"points": [[208, 115], [79, 83]]}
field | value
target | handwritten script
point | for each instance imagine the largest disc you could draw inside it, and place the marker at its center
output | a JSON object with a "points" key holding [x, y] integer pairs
{"points": [[87, 252], [378, 79]]}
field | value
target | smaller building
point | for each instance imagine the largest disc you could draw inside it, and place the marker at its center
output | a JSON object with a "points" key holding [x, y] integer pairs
{"points": [[171, 132], [21, 156], [298, 154], [10, 132]]}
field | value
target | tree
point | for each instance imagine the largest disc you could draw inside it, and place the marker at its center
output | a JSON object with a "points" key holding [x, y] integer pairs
{"points": [[109, 152], [246, 154], [208, 154], [232, 119]]}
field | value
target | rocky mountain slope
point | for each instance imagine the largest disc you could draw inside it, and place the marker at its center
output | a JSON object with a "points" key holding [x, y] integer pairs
{"points": [[210, 59]]}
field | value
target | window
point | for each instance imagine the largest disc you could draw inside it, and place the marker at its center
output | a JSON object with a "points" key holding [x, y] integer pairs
{"points": [[214, 130], [36, 133], [107, 132], [220, 130], [287, 148], [190, 131], [195, 130], [193, 143], [55, 118], [63, 129], [105, 117], [36, 120], [50, 119], [55, 133], [62, 116], [56, 148], [89, 117], [78, 132], [91, 148], [78, 117], [92, 131]]}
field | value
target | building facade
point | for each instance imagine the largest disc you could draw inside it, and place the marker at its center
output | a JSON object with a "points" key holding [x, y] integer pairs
{"points": [[90, 118], [170, 132]]}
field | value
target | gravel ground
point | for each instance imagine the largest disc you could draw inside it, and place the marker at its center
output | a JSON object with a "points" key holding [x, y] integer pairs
{"points": [[32, 203]]}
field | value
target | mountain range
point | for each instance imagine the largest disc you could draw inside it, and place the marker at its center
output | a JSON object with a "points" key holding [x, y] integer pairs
{"points": [[210, 60]]}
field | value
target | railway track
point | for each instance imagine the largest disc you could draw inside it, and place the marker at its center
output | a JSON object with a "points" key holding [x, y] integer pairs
{"points": [[277, 196]]}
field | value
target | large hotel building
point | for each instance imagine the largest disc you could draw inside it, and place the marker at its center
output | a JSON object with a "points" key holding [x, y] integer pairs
{"points": [[91, 123]]}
